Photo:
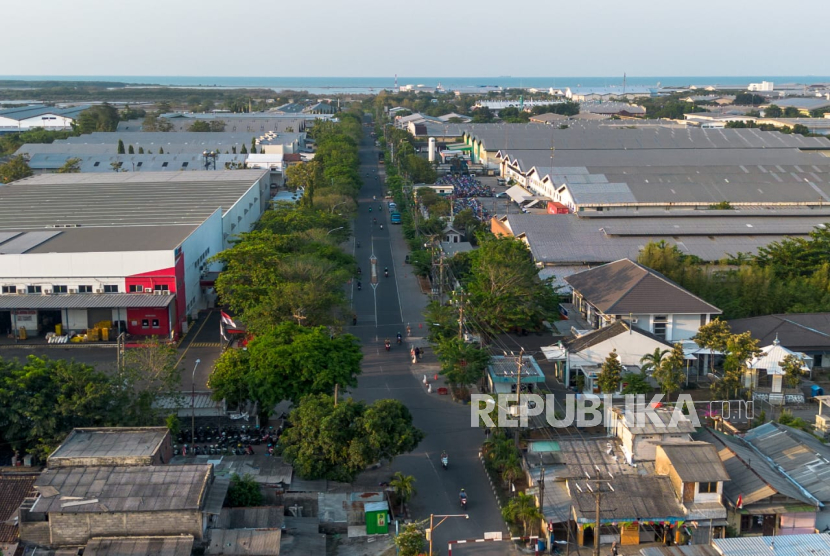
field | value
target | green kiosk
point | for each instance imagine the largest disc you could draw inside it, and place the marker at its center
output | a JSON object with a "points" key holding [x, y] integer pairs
{"points": [[377, 518]]}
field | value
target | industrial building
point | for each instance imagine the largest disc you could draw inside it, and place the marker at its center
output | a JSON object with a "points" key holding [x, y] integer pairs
{"points": [[594, 167], [24, 118], [131, 248]]}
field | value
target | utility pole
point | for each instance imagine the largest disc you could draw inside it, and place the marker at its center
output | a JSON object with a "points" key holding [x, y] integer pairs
{"points": [[598, 496], [519, 365], [461, 315]]}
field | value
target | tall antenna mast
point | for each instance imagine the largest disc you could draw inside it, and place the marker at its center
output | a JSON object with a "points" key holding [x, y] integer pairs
{"points": [[624, 83], [396, 82]]}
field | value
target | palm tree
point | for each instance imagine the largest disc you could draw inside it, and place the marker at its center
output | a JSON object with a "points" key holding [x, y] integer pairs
{"points": [[511, 470], [404, 486], [650, 362], [522, 508]]}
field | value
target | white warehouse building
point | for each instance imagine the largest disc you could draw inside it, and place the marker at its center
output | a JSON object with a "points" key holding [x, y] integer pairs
{"points": [[132, 248], [24, 118]]}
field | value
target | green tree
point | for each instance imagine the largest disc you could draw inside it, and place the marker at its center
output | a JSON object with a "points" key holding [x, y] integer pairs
{"points": [[101, 117], [140, 150], [792, 365], [338, 442], [773, 111], [462, 363], [504, 289], [635, 383], [161, 150], [792, 112], [483, 115], [522, 510], [154, 123], [130, 150], [739, 349], [173, 424], [149, 372], [669, 373], [129, 113], [217, 126], [71, 166], [713, 336], [404, 486], [420, 170], [244, 492], [230, 378], [412, 540], [291, 361], [611, 373], [650, 362], [14, 169], [121, 147], [199, 125], [243, 150]]}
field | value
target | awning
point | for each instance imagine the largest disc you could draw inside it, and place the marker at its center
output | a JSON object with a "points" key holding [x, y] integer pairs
{"points": [[555, 353], [518, 194], [86, 301], [216, 495]]}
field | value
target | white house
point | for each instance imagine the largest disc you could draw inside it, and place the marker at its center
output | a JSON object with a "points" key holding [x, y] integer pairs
{"points": [[48, 117], [585, 353], [770, 361], [627, 291], [641, 437]]}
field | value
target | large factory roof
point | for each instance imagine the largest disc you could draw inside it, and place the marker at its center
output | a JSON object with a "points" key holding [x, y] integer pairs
{"points": [[570, 239], [126, 199]]}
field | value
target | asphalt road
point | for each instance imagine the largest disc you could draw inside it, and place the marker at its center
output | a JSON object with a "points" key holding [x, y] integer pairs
{"points": [[383, 311]]}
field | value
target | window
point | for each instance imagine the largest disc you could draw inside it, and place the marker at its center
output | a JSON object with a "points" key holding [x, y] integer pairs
{"points": [[660, 324], [134, 288], [161, 288], [34, 289], [84, 289], [110, 288], [707, 488], [9, 289], [155, 323], [184, 164], [145, 323], [97, 163], [59, 289], [139, 164], [164, 165]]}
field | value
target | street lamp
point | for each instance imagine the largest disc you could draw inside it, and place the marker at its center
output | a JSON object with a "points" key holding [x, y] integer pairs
{"points": [[337, 205], [193, 405], [433, 528], [210, 156], [334, 230]]}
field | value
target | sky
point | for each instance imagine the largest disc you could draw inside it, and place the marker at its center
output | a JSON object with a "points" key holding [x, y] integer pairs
{"points": [[369, 38]]}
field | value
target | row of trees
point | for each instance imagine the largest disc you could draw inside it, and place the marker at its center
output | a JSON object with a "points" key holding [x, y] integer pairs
{"points": [[42, 400], [515, 115], [797, 128], [284, 280], [787, 276]]}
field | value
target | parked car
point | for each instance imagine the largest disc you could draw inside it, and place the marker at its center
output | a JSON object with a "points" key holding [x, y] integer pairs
{"points": [[396, 218]]}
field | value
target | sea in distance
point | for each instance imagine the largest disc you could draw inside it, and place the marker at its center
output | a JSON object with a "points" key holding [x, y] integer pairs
{"points": [[372, 85]]}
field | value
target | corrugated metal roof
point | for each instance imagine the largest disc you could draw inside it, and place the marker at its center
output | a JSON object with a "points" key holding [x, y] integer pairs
{"points": [[120, 489], [802, 456], [85, 301], [751, 475], [695, 462], [122, 199], [694, 550], [139, 546], [261, 517], [784, 545], [634, 497], [111, 442], [799, 331], [249, 542]]}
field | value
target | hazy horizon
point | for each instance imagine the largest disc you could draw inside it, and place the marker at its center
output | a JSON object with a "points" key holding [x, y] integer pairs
{"points": [[375, 38]]}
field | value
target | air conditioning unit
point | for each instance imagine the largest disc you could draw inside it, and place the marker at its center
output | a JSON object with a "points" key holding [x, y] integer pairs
{"points": [[46, 292], [99, 290], [73, 290], [148, 290], [21, 292], [635, 320]]}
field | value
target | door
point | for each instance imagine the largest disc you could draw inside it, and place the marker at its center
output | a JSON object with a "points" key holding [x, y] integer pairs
{"points": [[5, 322], [94, 316], [769, 525]]}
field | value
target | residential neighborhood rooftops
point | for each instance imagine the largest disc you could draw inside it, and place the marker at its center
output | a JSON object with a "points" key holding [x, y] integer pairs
{"points": [[751, 475], [140, 546], [625, 287], [634, 498], [797, 331], [799, 454], [695, 462], [119, 489], [781, 545], [14, 488], [108, 442], [247, 542], [575, 344], [656, 421]]}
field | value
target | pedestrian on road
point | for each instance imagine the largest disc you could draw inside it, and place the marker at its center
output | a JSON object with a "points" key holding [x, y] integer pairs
{"points": [[614, 550], [417, 353]]}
